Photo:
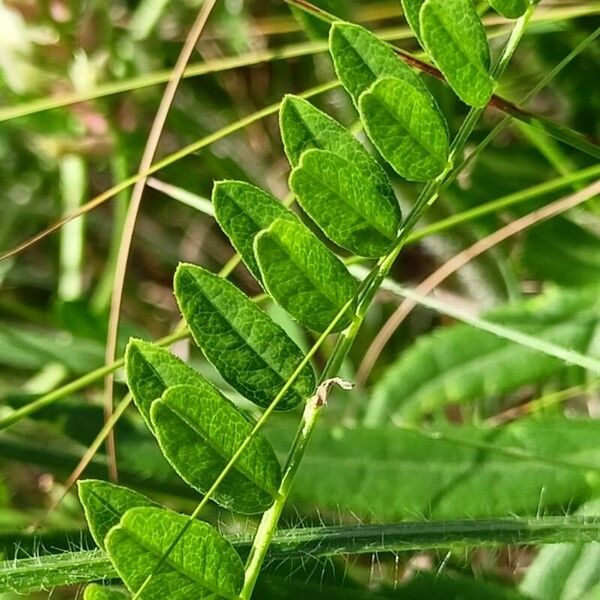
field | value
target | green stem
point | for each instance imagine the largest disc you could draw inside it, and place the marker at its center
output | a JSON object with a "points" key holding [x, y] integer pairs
{"points": [[270, 519]]}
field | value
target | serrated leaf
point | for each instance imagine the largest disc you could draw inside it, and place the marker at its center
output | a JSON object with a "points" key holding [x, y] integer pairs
{"points": [[250, 351], [101, 592], [407, 129], [411, 9], [304, 276], [460, 363], [346, 207], [105, 503], [455, 38], [202, 564], [303, 127], [450, 472], [243, 210], [511, 9], [199, 430], [360, 58], [151, 370]]}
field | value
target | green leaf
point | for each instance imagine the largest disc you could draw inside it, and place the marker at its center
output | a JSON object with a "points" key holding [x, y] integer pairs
{"points": [[202, 564], [412, 9], [360, 58], [243, 210], [566, 571], [408, 130], [454, 36], [303, 275], [303, 128], [460, 364], [100, 592], [151, 370], [345, 205], [199, 430], [250, 351], [387, 474], [548, 256], [511, 9], [105, 503]]}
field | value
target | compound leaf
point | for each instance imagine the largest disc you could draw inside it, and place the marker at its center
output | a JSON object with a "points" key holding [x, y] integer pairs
{"points": [[199, 430], [303, 275], [101, 592], [346, 207], [360, 58], [151, 370], [105, 503], [455, 38], [408, 130], [250, 351], [243, 210], [511, 9], [202, 564]]}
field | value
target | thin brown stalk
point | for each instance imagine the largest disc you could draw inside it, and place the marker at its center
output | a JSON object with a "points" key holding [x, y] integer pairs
{"points": [[460, 260], [134, 206]]}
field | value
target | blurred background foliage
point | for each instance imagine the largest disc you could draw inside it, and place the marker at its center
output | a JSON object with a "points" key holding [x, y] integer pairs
{"points": [[54, 297]]}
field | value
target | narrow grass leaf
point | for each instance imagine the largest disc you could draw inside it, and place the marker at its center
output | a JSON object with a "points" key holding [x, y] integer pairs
{"points": [[408, 130], [511, 9], [360, 58], [105, 503], [303, 275], [199, 430], [202, 564], [242, 210], [250, 351], [455, 37], [151, 370], [344, 204]]}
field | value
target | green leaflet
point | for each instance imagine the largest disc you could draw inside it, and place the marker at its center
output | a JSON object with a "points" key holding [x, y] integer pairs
{"points": [[202, 564], [303, 275], [460, 363], [566, 571], [105, 503], [243, 210], [393, 474], [346, 206], [408, 130], [511, 9], [360, 58], [411, 9], [250, 351], [151, 370], [303, 127], [199, 430], [100, 592], [455, 38]]}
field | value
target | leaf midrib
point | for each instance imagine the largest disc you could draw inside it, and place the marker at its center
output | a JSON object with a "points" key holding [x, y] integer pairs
{"points": [[245, 342], [217, 449]]}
